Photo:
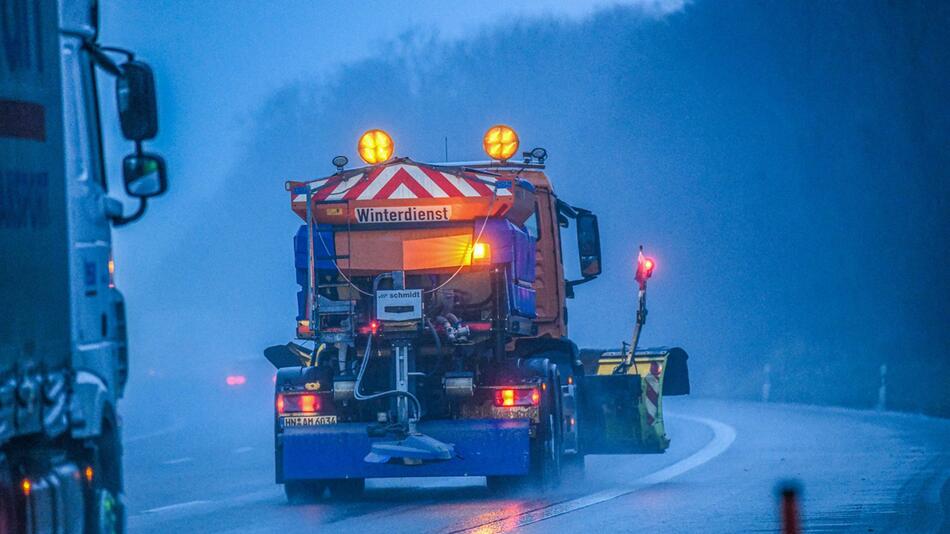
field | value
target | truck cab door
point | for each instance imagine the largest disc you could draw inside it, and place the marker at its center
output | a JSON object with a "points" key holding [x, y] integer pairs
{"points": [[93, 312]]}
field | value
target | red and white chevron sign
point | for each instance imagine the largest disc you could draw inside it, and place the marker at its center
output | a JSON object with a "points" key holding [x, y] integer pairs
{"points": [[400, 181], [652, 381]]}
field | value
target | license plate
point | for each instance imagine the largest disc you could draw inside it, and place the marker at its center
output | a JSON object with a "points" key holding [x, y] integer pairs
{"points": [[308, 420]]}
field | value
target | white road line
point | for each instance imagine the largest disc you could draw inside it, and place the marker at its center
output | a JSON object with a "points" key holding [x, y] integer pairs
{"points": [[160, 432], [184, 460], [723, 437], [242, 450], [171, 507]]}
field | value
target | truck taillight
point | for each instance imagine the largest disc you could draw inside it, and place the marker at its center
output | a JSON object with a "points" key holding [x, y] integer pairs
{"points": [[507, 397], [298, 403]]}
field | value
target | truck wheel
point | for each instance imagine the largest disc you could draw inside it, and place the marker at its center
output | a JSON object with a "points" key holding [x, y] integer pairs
{"points": [[546, 456], [304, 491], [347, 489], [8, 497], [572, 467], [504, 485], [106, 511]]}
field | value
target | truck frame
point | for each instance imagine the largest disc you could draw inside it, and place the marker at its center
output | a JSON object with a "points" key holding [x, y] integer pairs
{"points": [[432, 334]]}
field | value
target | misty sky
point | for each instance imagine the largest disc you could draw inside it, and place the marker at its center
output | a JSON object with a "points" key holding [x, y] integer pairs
{"points": [[785, 163]]}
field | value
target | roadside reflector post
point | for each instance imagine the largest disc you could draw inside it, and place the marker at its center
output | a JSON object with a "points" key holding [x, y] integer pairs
{"points": [[882, 390], [789, 507], [767, 383]]}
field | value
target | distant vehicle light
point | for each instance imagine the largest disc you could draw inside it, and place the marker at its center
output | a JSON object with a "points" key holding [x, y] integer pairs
{"points": [[481, 252], [509, 397], [89, 473], [111, 271], [500, 142], [373, 327], [26, 486], [236, 380], [375, 146]]}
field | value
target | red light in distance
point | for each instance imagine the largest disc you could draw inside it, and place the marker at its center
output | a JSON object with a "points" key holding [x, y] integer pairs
{"points": [[236, 380]]}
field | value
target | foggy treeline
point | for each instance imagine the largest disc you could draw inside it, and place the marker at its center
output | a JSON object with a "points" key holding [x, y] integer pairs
{"points": [[785, 162]]}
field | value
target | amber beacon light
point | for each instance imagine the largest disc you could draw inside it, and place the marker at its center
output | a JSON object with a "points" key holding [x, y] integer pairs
{"points": [[500, 142], [375, 146]]}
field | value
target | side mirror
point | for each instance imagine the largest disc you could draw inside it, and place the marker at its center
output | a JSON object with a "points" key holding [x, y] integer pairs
{"points": [[144, 175], [135, 99], [588, 244]]}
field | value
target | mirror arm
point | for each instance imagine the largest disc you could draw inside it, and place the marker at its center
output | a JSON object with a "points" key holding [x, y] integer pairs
{"points": [[571, 284], [122, 221], [130, 55]]}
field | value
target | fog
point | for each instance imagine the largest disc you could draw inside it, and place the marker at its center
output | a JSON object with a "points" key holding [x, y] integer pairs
{"points": [[784, 163]]}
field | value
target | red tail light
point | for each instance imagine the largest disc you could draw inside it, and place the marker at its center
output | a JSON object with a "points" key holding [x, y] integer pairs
{"points": [[236, 380], [298, 403], [508, 397]]}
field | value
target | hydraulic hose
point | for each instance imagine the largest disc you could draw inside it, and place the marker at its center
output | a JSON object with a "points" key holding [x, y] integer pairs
{"points": [[359, 381]]}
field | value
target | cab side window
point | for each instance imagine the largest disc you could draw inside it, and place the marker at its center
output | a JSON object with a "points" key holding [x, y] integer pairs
{"points": [[532, 224]]}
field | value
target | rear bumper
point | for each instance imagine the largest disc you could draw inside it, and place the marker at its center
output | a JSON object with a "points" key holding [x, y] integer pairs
{"points": [[482, 447]]}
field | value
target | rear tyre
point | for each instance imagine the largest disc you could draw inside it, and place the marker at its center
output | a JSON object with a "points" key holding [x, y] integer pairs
{"points": [[347, 489], [105, 511], [572, 467], [504, 485], [546, 453], [304, 491]]}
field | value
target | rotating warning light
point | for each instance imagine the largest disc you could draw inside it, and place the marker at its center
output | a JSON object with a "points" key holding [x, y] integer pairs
{"points": [[645, 268], [375, 146], [500, 142], [481, 253]]}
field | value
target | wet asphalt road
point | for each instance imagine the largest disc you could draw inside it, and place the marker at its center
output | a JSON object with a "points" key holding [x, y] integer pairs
{"points": [[859, 471]]}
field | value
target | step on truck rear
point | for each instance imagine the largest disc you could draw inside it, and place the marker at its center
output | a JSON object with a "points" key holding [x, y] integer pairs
{"points": [[432, 331]]}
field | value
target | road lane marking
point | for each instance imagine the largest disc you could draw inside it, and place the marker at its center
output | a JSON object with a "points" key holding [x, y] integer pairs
{"points": [[177, 506], [723, 437], [160, 432], [184, 460]]}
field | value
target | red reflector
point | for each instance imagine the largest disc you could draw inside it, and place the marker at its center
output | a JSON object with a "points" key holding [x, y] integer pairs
{"points": [[236, 380], [508, 397], [298, 403]]}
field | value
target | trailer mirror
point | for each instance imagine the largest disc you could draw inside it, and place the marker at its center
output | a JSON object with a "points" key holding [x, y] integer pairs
{"points": [[135, 99], [144, 175], [588, 244]]}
